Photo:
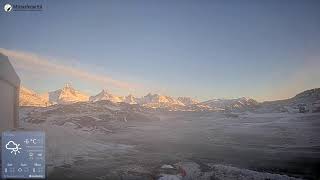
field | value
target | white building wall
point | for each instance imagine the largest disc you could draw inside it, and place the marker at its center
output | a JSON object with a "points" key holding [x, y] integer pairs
{"points": [[7, 106]]}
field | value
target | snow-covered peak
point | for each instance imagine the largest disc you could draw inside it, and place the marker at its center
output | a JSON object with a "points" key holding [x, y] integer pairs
{"points": [[157, 100], [29, 98], [67, 95], [130, 99], [187, 101], [68, 88], [67, 85], [105, 91], [105, 95]]}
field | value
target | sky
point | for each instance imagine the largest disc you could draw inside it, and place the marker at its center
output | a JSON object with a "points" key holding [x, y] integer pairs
{"points": [[203, 49]]}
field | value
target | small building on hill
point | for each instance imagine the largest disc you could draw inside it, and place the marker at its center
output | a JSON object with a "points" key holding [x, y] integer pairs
{"points": [[316, 106]]}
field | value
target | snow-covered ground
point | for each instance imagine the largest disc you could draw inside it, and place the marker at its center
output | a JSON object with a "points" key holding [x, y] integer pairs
{"points": [[135, 144], [65, 144]]}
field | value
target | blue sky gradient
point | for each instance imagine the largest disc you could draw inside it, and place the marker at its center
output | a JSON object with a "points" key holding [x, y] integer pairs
{"points": [[203, 49]]}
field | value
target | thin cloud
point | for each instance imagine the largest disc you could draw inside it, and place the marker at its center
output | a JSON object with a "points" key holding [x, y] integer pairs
{"points": [[35, 63]]}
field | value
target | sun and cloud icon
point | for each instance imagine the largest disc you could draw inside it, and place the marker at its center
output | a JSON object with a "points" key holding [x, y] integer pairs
{"points": [[14, 147]]}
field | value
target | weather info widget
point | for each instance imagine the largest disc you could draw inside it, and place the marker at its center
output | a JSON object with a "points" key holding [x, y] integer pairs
{"points": [[23, 155]]}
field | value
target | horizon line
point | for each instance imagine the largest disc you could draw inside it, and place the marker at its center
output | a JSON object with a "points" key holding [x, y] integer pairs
{"points": [[153, 93]]}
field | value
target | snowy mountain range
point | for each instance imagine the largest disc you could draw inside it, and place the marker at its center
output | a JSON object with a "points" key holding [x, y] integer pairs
{"points": [[66, 95], [232, 104], [69, 95]]}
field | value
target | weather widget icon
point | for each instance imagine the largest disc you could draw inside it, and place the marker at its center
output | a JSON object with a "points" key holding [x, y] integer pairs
{"points": [[14, 147], [23, 155]]}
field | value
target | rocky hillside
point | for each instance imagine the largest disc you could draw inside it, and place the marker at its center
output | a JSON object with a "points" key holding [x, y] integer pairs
{"points": [[309, 98], [96, 117]]}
